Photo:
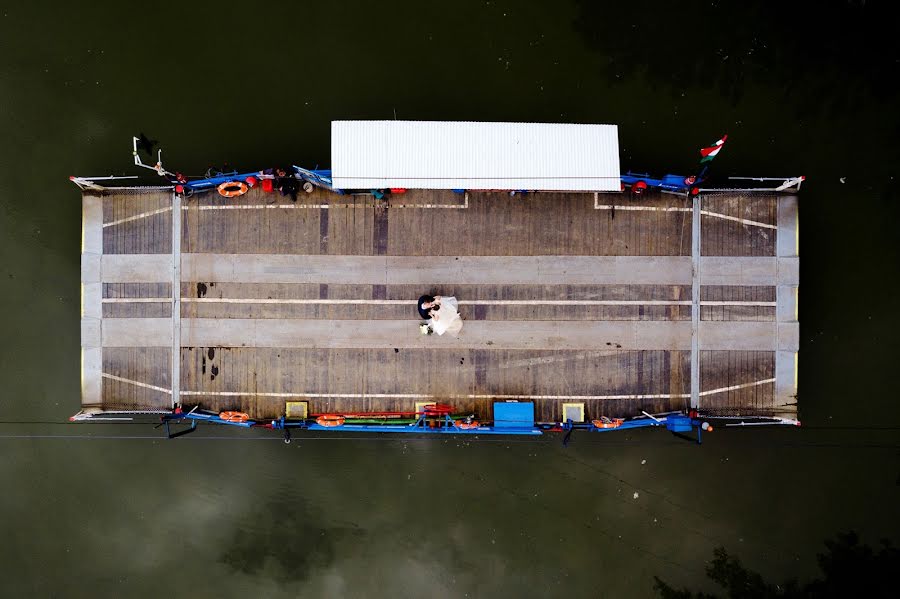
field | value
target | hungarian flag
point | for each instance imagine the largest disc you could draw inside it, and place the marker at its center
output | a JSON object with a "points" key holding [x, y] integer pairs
{"points": [[709, 153]]}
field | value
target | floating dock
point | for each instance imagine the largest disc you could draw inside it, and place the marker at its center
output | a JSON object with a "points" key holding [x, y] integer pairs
{"points": [[566, 298], [585, 304]]}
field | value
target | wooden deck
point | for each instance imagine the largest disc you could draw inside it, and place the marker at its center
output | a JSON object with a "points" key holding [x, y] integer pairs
{"points": [[567, 298]]}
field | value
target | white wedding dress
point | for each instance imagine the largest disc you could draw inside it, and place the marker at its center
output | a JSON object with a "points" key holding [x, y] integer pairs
{"points": [[447, 319]]}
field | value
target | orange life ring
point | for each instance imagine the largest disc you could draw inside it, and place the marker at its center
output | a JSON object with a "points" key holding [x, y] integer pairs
{"points": [[330, 420], [233, 189], [608, 422], [234, 416], [462, 424]]}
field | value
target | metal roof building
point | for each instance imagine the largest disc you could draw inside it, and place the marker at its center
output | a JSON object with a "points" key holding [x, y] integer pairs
{"points": [[472, 155]]}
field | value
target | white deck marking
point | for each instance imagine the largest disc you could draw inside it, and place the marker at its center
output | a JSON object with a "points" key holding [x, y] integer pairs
{"points": [[428, 396], [737, 303], [137, 300], [264, 207], [626, 207], [387, 302], [743, 221], [425, 396], [135, 383], [292, 206], [150, 213], [137, 216], [736, 387]]}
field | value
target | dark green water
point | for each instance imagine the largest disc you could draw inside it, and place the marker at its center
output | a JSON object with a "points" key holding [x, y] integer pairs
{"points": [[254, 84]]}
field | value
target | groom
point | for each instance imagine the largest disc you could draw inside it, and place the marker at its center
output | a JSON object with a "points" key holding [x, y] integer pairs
{"points": [[425, 305]]}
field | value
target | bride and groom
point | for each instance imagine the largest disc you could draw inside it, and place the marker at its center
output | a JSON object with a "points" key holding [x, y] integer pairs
{"points": [[441, 314]]}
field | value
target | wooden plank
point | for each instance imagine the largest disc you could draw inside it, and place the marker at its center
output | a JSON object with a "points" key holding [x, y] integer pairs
{"points": [[348, 380], [137, 223], [497, 302], [149, 366], [725, 237], [745, 380]]}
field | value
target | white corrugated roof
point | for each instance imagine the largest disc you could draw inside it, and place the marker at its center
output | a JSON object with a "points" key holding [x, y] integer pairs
{"points": [[468, 155]]}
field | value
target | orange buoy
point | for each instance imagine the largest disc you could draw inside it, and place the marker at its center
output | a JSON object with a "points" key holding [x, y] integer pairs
{"points": [[234, 416], [233, 189], [605, 422], [462, 424], [330, 420]]}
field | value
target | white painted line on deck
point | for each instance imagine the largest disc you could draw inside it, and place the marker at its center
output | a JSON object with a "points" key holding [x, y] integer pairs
{"points": [[583, 397], [388, 206], [137, 216], [737, 303], [137, 300], [312, 395], [626, 207], [736, 387], [263, 207], [743, 221], [135, 383], [387, 302], [641, 208], [427, 396]]}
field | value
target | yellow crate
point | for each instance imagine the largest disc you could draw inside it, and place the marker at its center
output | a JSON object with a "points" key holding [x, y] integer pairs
{"points": [[573, 411], [296, 409]]}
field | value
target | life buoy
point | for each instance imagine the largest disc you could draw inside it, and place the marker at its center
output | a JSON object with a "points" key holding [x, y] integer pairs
{"points": [[639, 187], [233, 189], [690, 180], [462, 424], [330, 420], [605, 422], [234, 416]]}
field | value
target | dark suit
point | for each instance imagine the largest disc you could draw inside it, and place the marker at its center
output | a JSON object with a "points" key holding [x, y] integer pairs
{"points": [[422, 311]]}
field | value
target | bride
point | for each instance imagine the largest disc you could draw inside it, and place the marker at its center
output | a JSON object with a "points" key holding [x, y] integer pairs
{"points": [[444, 312]]}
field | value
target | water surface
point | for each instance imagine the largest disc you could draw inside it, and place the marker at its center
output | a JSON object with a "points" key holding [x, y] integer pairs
{"points": [[215, 514]]}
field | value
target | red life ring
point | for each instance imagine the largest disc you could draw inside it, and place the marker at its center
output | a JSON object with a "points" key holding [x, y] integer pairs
{"points": [[462, 424], [639, 187], [608, 422]]}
